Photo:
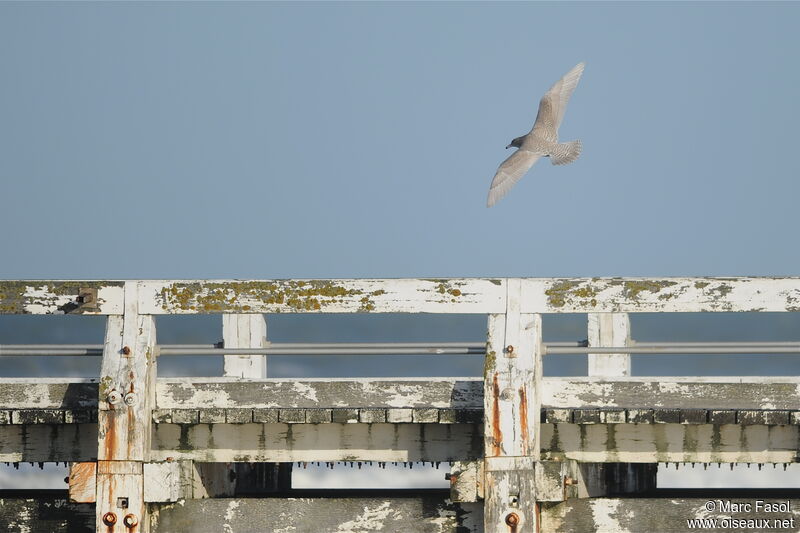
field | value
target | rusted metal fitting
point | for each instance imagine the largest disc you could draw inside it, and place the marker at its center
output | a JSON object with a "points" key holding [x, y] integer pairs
{"points": [[109, 519], [509, 349], [126, 350], [512, 519], [570, 481], [114, 397], [130, 520], [130, 398]]}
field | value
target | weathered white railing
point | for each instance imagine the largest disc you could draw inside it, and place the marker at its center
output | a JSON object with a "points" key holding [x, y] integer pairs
{"points": [[524, 448]]}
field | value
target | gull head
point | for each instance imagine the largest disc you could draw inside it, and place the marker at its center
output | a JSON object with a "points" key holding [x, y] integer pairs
{"points": [[516, 143]]}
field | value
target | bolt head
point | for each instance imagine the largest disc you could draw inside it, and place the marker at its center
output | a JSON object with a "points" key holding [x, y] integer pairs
{"points": [[512, 519], [109, 519], [509, 349], [126, 350], [130, 398], [130, 520], [114, 397]]}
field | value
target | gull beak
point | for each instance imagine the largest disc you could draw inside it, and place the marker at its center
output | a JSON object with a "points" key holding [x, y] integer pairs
{"points": [[507, 147]]}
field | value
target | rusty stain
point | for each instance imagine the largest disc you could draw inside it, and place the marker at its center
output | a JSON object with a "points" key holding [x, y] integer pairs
{"points": [[497, 435], [523, 418], [126, 350], [110, 436], [537, 510]]}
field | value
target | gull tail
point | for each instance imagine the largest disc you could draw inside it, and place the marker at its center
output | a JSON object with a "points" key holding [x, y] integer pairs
{"points": [[566, 153]]}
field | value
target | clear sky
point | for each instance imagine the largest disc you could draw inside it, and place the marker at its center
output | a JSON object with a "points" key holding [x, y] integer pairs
{"points": [[262, 140]]}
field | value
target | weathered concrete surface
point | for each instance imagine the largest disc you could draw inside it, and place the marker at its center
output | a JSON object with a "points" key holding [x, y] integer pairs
{"points": [[429, 512], [321, 393], [645, 515], [317, 442], [45, 513], [689, 443]]}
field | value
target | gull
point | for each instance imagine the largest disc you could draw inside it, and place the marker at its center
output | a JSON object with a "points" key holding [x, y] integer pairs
{"points": [[542, 140]]}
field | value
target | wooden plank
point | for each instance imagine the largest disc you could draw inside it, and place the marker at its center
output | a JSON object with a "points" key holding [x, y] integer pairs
{"points": [[658, 295], [48, 442], [284, 443], [323, 296], [429, 512], [673, 392], [48, 393], [59, 297], [609, 329], [667, 443], [49, 512], [83, 482], [188, 393], [643, 515]]}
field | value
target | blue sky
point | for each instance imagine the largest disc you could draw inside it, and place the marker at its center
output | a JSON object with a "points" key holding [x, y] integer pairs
{"points": [[263, 140]]}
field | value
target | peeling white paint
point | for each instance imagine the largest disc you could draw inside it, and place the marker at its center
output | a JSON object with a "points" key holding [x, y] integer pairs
{"points": [[230, 515], [371, 519]]}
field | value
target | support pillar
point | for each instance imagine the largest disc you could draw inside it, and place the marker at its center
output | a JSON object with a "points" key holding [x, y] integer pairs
{"points": [[512, 406], [127, 396]]}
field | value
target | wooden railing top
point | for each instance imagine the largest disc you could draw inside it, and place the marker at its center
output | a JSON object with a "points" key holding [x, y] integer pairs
{"points": [[446, 295]]}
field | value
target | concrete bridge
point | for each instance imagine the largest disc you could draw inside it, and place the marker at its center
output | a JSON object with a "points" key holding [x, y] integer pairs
{"points": [[527, 453]]}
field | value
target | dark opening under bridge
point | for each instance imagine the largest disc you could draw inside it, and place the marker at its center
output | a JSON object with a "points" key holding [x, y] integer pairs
{"points": [[528, 453]]}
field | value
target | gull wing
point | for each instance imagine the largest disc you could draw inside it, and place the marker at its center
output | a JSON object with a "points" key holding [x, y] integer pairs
{"points": [[509, 173], [554, 103]]}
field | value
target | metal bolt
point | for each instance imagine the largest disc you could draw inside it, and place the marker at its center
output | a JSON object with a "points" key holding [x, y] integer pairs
{"points": [[570, 481], [109, 519], [130, 520], [509, 349], [114, 397], [130, 398], [126, 350], [512, 519]]}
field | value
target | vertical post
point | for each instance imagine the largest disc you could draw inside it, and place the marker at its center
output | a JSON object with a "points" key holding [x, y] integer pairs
{"points": [[614, 329], [127, 395], [512, 405], [244, 331], [609, 329]]}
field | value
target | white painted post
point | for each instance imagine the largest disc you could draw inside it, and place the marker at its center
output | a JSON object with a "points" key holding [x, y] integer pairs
{"points": [[244, 331], [609, 329], [512, 404], [127, 395]]}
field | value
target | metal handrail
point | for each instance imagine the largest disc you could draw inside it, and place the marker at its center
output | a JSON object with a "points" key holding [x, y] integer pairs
{"points": [[416, 348]]}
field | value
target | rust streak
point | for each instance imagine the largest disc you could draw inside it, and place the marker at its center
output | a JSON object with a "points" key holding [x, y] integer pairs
{"points": [[523, 418], [110, 437], [497, 435]]}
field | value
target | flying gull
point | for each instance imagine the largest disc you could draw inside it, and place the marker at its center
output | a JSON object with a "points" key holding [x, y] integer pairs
{"points": [[542, 140]]}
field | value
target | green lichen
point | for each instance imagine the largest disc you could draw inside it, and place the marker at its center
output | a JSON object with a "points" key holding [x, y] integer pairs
{"points": [[701, 284], [490, 362], [565, 292], [237, 296], [106, 385], [632, 289]]}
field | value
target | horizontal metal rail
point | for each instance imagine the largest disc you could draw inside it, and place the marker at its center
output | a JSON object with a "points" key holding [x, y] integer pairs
{"points": [[414, 348]]}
